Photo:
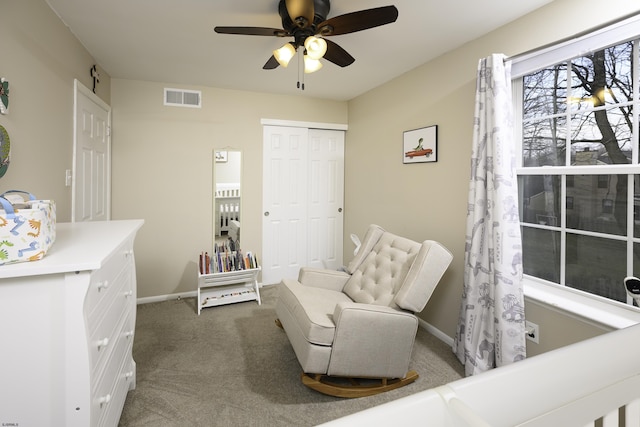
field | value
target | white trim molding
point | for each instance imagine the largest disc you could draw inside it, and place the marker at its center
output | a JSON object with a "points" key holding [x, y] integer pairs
{"points": [[599, 311], [308, 125]]}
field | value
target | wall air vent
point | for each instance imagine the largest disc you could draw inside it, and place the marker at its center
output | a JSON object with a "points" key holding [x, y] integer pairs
{"points": [[182, 98]]}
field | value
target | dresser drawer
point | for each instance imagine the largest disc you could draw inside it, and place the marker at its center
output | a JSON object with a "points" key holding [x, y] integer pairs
{"points": [[110, 389], [111, 416], [104, 335], [103, 280], [120, 289]]}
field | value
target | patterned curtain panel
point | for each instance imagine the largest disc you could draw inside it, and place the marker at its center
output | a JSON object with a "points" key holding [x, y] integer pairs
{"points": [[491, 328]]}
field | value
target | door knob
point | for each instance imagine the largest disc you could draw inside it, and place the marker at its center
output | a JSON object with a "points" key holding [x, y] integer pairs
{"points": [[266, 213], [339, 209]]}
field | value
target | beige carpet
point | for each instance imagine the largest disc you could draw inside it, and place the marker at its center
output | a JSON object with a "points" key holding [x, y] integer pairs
{"points": [[231, 366]]}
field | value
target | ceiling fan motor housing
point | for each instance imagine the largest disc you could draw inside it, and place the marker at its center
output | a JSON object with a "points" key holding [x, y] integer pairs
{"points": [[320, 11]]}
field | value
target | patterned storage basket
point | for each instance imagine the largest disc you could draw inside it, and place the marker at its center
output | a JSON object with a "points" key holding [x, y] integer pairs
{"points": [[27, 228]]}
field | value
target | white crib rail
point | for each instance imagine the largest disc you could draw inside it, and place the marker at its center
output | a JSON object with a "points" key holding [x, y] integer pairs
{"points": [[227, 201], [572, 386], [227, 193]]}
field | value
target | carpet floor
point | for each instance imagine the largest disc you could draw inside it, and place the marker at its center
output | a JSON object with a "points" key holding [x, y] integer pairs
{"points": [[232, 366]]}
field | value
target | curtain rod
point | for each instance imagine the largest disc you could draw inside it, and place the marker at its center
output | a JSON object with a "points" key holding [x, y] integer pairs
{"points": [[573, 37]]}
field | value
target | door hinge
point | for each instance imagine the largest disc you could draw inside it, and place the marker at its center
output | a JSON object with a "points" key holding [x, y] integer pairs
{"points": [[108, 130]]}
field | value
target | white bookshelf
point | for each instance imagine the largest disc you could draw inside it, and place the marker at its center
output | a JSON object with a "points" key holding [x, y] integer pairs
{"points": [[228, 287]]}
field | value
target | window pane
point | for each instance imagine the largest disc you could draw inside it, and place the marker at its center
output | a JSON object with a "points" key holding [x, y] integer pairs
{"points": [[603, 77], [545, 92], [636, 207], [541, 254], [540, 203], [598, 203], [636, 260], [544, 142], [601, 137], [597, 266]]}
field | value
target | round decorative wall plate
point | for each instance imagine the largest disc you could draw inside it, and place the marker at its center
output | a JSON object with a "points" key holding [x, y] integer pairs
{"points": [[5, 149]]}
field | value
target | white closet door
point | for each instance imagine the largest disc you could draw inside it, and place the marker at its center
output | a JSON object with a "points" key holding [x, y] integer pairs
{"points": [[303, 188], [325, 198], [284, 200]]}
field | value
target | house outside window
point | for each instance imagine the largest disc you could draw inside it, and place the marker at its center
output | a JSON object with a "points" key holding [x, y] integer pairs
{"points": [[577, 108]]}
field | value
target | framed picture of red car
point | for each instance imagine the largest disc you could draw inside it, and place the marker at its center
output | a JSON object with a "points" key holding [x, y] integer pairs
{"points": [[420, 145]]}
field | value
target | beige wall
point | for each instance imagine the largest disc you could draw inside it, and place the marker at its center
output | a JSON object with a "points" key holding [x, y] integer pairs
{"points": [[162, 155], [428, 201], [162, 170], [41, 59]]}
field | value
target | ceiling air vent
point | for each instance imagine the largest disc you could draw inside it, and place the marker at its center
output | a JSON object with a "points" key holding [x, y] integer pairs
{"points": [[182, 98]]}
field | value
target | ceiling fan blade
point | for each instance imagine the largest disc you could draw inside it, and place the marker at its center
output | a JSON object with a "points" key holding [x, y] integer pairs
{"points": [[252, 31], [358, 21], [298, 9], [337, 54], [271, 64]]}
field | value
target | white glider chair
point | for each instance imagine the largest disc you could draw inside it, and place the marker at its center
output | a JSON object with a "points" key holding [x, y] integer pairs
{"points": [[353, 331]]}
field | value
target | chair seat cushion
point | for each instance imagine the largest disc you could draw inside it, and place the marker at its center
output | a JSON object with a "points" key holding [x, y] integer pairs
{"points": [[312, 308]]}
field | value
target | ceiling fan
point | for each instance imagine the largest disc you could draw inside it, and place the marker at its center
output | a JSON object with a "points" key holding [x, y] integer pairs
{"points": [[306, 21]]}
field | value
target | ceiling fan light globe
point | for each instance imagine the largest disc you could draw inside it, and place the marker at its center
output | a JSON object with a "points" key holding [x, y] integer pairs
{"points": [[284, 54], [316, 47], [311, 65]]}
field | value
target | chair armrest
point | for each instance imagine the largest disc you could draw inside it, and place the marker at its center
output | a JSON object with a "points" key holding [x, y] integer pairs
{"points": [[371, 341], [321, 278]]}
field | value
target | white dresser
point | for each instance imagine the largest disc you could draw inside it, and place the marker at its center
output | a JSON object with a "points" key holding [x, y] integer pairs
{"points": [[67, 325]]}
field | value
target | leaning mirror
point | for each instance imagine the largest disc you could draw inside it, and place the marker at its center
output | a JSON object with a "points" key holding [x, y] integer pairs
{"points": [[227, 170]]}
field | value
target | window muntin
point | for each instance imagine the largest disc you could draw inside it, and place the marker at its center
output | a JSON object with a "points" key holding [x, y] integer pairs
{"points": [[581, 222]]}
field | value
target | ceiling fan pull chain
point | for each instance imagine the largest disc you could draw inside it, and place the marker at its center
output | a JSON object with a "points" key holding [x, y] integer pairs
{"points": [[300, 66], [302, 51]]}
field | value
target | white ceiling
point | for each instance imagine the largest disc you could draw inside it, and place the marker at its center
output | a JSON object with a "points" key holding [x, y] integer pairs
{"points": [[173, 41]]}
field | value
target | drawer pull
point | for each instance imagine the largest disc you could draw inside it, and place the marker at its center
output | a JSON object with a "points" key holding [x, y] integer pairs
{"points": [[104, 399], [102, 343], [103, 285]]}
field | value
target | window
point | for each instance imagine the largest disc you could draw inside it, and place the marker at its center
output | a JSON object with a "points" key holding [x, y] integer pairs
{"points": [[577, 112]]}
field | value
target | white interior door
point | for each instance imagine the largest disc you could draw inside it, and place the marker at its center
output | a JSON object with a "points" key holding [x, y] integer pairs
{"points": [[325, 198], [91, 175], [303, 187], [284, 200]]}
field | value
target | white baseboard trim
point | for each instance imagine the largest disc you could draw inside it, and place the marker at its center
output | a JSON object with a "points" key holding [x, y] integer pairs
{"points": [[171, 297], [435, 332], [168, 297]]}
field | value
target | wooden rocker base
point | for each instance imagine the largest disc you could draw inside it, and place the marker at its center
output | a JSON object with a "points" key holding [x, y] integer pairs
{"points": [[354, 387]]}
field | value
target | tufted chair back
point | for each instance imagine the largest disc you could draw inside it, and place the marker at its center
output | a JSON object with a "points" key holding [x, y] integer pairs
{"points": [[390, 270]]}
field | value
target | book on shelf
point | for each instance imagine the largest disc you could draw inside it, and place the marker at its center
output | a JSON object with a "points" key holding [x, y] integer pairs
{"points": [[226, 257]]}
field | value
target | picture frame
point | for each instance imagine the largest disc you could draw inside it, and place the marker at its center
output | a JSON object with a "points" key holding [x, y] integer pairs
{"points": [[221, 156], [420, 145]]}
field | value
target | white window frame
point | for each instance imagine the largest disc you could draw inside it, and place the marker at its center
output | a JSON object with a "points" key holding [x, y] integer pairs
{"points": [[604, 312]]}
